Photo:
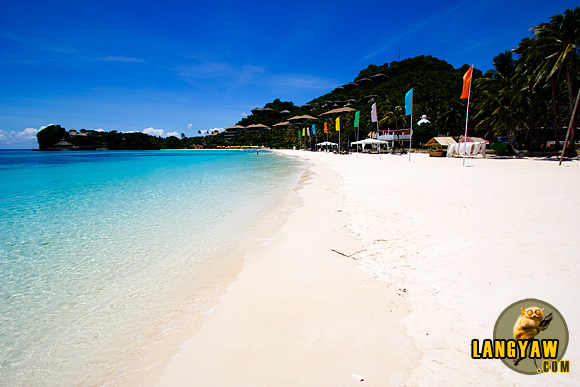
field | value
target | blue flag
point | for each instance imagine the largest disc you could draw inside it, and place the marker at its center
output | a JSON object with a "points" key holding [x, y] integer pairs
{"points": [[409, 102], [313, 129]]}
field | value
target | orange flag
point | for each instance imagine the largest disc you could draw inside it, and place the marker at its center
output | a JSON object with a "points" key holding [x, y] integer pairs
{"points": [[467, 83], [325, 127]]}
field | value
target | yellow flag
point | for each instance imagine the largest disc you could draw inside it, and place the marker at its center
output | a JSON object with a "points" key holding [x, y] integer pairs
{"points": [[304, 131], [338, 124]]}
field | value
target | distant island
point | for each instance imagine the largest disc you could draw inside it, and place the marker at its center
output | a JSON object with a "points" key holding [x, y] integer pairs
{"points": [[57, 138]]}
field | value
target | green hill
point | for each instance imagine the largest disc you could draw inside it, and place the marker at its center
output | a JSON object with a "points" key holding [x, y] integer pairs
{"points": [[437, 87]]}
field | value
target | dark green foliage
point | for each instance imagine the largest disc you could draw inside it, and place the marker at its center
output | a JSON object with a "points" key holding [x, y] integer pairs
{"points": [[424, 132], [529, 93], [172, 143], [50, 135], [437, 87], [270, 114]]}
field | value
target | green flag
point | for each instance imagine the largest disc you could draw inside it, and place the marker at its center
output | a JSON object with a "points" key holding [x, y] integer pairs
{"points": [[356, 119]]}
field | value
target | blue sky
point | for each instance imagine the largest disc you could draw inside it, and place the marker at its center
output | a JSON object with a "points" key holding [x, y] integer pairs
{"points": [[167, 67]]}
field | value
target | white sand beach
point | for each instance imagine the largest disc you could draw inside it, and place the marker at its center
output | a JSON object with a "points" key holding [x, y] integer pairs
{"points": [[434, 253]]}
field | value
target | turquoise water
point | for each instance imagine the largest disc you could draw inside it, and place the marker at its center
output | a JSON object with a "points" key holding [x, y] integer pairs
{"points": [[101, 250]]}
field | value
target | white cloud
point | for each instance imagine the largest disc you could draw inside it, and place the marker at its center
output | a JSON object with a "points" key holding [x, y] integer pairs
{"points": [[154, 132], [25, 138], [189, 126], [100, 130], [26, 134], [159, 132]]}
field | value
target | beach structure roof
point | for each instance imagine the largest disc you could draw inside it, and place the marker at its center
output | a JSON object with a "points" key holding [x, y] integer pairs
{"points": [[378, 77], [444, 141], [304, 117], [367, 141], [345, 109], [257, 126], [235, 127], [285, 123], [371, 97], [285, 111], [327, 144], [474, 139], [370, 141]]}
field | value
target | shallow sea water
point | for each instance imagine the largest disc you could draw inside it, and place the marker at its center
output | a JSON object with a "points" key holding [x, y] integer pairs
{"points": [[104, 254]]}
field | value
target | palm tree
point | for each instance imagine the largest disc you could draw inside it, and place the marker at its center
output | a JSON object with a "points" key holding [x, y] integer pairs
{"points": [[531, 65], [560, 40], [496, 106], [453, 116]]}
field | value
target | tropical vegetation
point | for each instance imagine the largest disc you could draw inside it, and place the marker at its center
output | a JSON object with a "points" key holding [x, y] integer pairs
{"points": [[530, 93], [528, 96]]}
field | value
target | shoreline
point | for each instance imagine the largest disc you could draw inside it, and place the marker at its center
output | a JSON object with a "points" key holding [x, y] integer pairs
{"points": [[216, 274], [299, 313], [445, 247]]}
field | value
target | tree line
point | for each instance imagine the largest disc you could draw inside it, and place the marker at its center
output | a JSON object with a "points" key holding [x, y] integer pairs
{"points": [[530, 93], [529, 96]]}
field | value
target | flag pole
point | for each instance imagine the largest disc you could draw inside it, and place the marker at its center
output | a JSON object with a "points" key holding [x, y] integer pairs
{"points": [[326, 130], [357, 130], [338, 140], [374, 118], [466, 120], [409, 106], [465, 135], [379, 145], [315, 137], [411, 136]]}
